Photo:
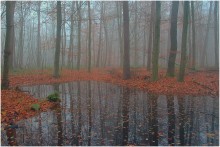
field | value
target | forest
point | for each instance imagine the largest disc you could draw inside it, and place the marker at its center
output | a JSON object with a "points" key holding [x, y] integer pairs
{"points": [[110, 73]]}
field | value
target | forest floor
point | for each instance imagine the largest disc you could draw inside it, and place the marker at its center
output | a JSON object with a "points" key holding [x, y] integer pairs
{"points": [[16, 104]]}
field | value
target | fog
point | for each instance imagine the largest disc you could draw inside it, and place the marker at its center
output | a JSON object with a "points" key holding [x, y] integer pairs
{"points": [[26, 18]]}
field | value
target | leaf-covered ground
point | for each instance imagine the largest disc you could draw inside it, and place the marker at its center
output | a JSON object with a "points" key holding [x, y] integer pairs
{"points": [[196, 83], [18, 103]]}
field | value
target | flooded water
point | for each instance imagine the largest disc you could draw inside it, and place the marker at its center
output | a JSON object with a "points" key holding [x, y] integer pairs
{"points": [[94, 113]]}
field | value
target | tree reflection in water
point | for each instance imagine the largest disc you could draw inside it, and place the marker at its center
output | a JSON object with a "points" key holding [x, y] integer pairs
{"points": [[125, 114], [152, 120], [171, 119], [79, 138], [93, 113], [89, 107], [58, 112]]}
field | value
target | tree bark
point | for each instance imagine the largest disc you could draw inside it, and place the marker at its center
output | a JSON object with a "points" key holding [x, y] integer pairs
{"points": [[38, 37], [156, 42], [184, 41], [21, 40], [64, 36], [12, 57], [216, 28], [57, 52], [89, 44], [135, 36], [79, 34], [144, 46], [189, 41], [204, 56], [120, 32], [126, 64], [10, 6], [100, 37], [193, 37], [173, 39], [106, 38], [151, 28], [71, 37]]}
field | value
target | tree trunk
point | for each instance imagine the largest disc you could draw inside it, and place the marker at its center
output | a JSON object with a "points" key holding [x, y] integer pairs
{"points": [[21, 40], [64, 36], [189, 41], [100, 37], [193, 37], [156, 42], [135, 36], [93, 45], [110, 45], [173, 39], [144, 46], [126, 64], [106, 39], [71, 37], [10, 6], [57, 52], [12, 56], [79, 34], [89, 44], [184, 41], [38, 37], [216, 28], [120, 32], [151, 28], [204, 56]]}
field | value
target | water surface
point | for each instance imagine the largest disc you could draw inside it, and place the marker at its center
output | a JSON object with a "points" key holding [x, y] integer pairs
{"points": [[94, 113]]}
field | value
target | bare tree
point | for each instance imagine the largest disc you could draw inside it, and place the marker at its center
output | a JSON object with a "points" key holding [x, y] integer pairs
{"points": [[156, 47], [184, 40], [71, 36], [78, 4], [58, 40], [216, 25], [64, 36], [38, 36], [10, 6], [135, 36], [118, 4], [193, 36], [151, 28], [204, 56], [126, 64], [144, 43], [106, 35], [89, 44], [173, 39], [21, 35], [100, 36]]}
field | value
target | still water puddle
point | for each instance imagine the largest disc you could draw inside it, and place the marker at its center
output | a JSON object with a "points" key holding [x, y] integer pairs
{"points": [[94, 113]]}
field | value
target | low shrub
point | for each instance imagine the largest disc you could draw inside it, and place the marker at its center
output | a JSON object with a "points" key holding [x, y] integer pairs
{"points": [[53, 97], [35, 107]]}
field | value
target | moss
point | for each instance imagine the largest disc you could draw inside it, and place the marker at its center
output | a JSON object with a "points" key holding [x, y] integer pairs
{"points": [[53, 97], [35, 107]]}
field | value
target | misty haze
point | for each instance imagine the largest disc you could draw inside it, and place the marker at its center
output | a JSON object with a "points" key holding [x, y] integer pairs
{"points": [[110, 73]]}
